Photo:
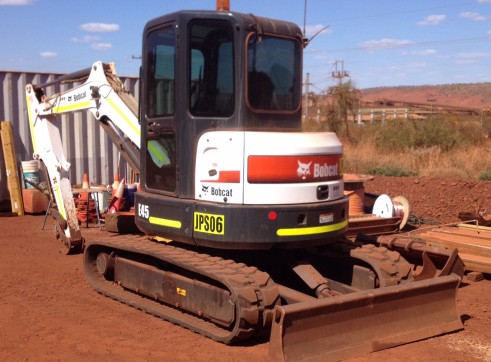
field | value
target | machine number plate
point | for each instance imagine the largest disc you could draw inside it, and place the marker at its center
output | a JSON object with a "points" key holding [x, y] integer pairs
{"points": [[325, 218], [209, 223]]}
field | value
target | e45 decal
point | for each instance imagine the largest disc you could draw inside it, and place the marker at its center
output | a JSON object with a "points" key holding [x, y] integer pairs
{"points": [[209, 223]]}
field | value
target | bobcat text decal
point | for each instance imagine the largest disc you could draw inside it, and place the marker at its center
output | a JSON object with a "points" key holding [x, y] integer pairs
{"points": [[280, 169]]}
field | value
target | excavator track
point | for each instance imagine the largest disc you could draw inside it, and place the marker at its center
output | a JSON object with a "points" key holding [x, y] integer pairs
{"points": [[383, 294], [252, 292]]}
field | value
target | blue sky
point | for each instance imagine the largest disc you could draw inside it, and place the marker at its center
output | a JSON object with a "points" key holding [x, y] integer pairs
{"points": [[379, 42]]}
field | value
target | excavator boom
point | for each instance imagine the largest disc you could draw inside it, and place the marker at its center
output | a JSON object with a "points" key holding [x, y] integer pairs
{"points": [[103, 95]]}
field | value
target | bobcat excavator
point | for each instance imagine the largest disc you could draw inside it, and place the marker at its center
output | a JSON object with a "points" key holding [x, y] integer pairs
{"points": [[242, 215]]}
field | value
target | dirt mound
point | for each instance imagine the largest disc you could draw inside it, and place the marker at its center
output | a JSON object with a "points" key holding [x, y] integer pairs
{"points": [[435, 200], [453, 95]]}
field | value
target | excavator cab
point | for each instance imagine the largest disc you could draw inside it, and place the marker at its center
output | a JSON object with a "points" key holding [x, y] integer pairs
{"points": [[221, 136]]}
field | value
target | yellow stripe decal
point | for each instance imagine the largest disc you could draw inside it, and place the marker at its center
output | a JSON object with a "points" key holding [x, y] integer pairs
{"points": [[176, 224], [72, 107], [31, 124], [59, 201], [312, 230], [153, 150], [122, 115]]}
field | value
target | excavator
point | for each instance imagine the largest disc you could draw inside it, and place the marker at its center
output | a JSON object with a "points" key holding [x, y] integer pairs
{"points": [[242, 214]]}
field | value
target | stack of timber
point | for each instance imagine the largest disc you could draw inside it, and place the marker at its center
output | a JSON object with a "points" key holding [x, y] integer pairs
{"points": [[472, 241]]}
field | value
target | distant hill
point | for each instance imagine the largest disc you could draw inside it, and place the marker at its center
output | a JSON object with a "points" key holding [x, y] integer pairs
{"points": [[474, 95]]}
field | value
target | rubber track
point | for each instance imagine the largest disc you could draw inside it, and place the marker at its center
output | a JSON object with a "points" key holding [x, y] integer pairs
{"points": [[391, 268], [254, 293]]}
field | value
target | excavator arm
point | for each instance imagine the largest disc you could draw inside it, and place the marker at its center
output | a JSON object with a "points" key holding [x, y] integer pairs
{"points": [[103, 95]]}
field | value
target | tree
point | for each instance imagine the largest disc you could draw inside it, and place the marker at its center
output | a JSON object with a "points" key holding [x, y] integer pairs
{"points": [[345, 98]]}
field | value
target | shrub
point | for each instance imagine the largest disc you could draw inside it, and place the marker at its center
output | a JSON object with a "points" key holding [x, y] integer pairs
{"points": [[470, 133], [390, 170], [314, 126], [485, 176], [435, 132], [452, 146], [394, 136]]}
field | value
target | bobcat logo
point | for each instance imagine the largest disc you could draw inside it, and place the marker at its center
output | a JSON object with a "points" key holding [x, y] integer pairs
{"points": [[303, 169], [204, 188]]}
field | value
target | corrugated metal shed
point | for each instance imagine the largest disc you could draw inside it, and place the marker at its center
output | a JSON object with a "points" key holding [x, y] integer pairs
{"points": [[86, 145]]}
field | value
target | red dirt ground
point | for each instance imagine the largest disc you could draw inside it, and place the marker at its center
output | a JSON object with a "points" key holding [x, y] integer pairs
{"points": [[49, 313]]}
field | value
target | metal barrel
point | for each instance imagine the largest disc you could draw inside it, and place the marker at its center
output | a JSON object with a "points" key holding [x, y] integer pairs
{"points": [[345, 326]]}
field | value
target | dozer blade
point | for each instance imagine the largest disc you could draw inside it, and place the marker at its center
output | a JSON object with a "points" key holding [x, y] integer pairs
{"points": [[358, 323]]}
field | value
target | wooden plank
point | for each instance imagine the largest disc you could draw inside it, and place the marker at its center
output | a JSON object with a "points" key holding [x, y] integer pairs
{"points": [[474, 246], [13, 180], [468, 240], [481, 232], [475, 227], [476, 262], [468, 236], [462, 246]]}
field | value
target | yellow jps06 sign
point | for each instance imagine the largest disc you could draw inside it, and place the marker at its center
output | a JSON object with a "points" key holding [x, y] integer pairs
{"points": [[209, 223]]}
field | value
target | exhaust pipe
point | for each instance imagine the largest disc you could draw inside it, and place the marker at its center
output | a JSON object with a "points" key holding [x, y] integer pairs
{"points": [[223, 5]]}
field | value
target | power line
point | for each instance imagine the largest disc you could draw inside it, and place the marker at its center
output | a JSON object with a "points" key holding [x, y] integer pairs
{"points": [[340, 73], [404, 45], [405, 12]]}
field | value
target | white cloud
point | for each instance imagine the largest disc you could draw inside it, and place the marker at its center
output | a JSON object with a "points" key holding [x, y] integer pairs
{"points": [[16, 2], [473, 16], [484, 1], [474, 55], [86, 39], [431, 20], [311, 30], [400, 75], [424, 53], [99, 27], [385, 43], [101, 46], [48, 54], [470, 58], [417, 65], [464, 61]]}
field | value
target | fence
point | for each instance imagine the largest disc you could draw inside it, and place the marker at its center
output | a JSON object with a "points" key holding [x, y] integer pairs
{"points": [[86, 145], [381, 114]]}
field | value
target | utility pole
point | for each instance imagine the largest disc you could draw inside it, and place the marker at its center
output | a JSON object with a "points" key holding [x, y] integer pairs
{"points": [[482, 110], [339, 74], [307, 83], [431, 98]]}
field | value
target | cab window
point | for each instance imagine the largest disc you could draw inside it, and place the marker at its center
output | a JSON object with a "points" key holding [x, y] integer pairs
{"points": [[211, 73], [161, 162], [160, 68], [273, 79]]}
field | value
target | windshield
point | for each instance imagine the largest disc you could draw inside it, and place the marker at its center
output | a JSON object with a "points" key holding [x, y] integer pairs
{"points": [[273, 66]]}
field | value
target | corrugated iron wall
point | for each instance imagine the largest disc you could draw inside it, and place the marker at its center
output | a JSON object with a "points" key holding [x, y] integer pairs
{"points": [[86, 145]]}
